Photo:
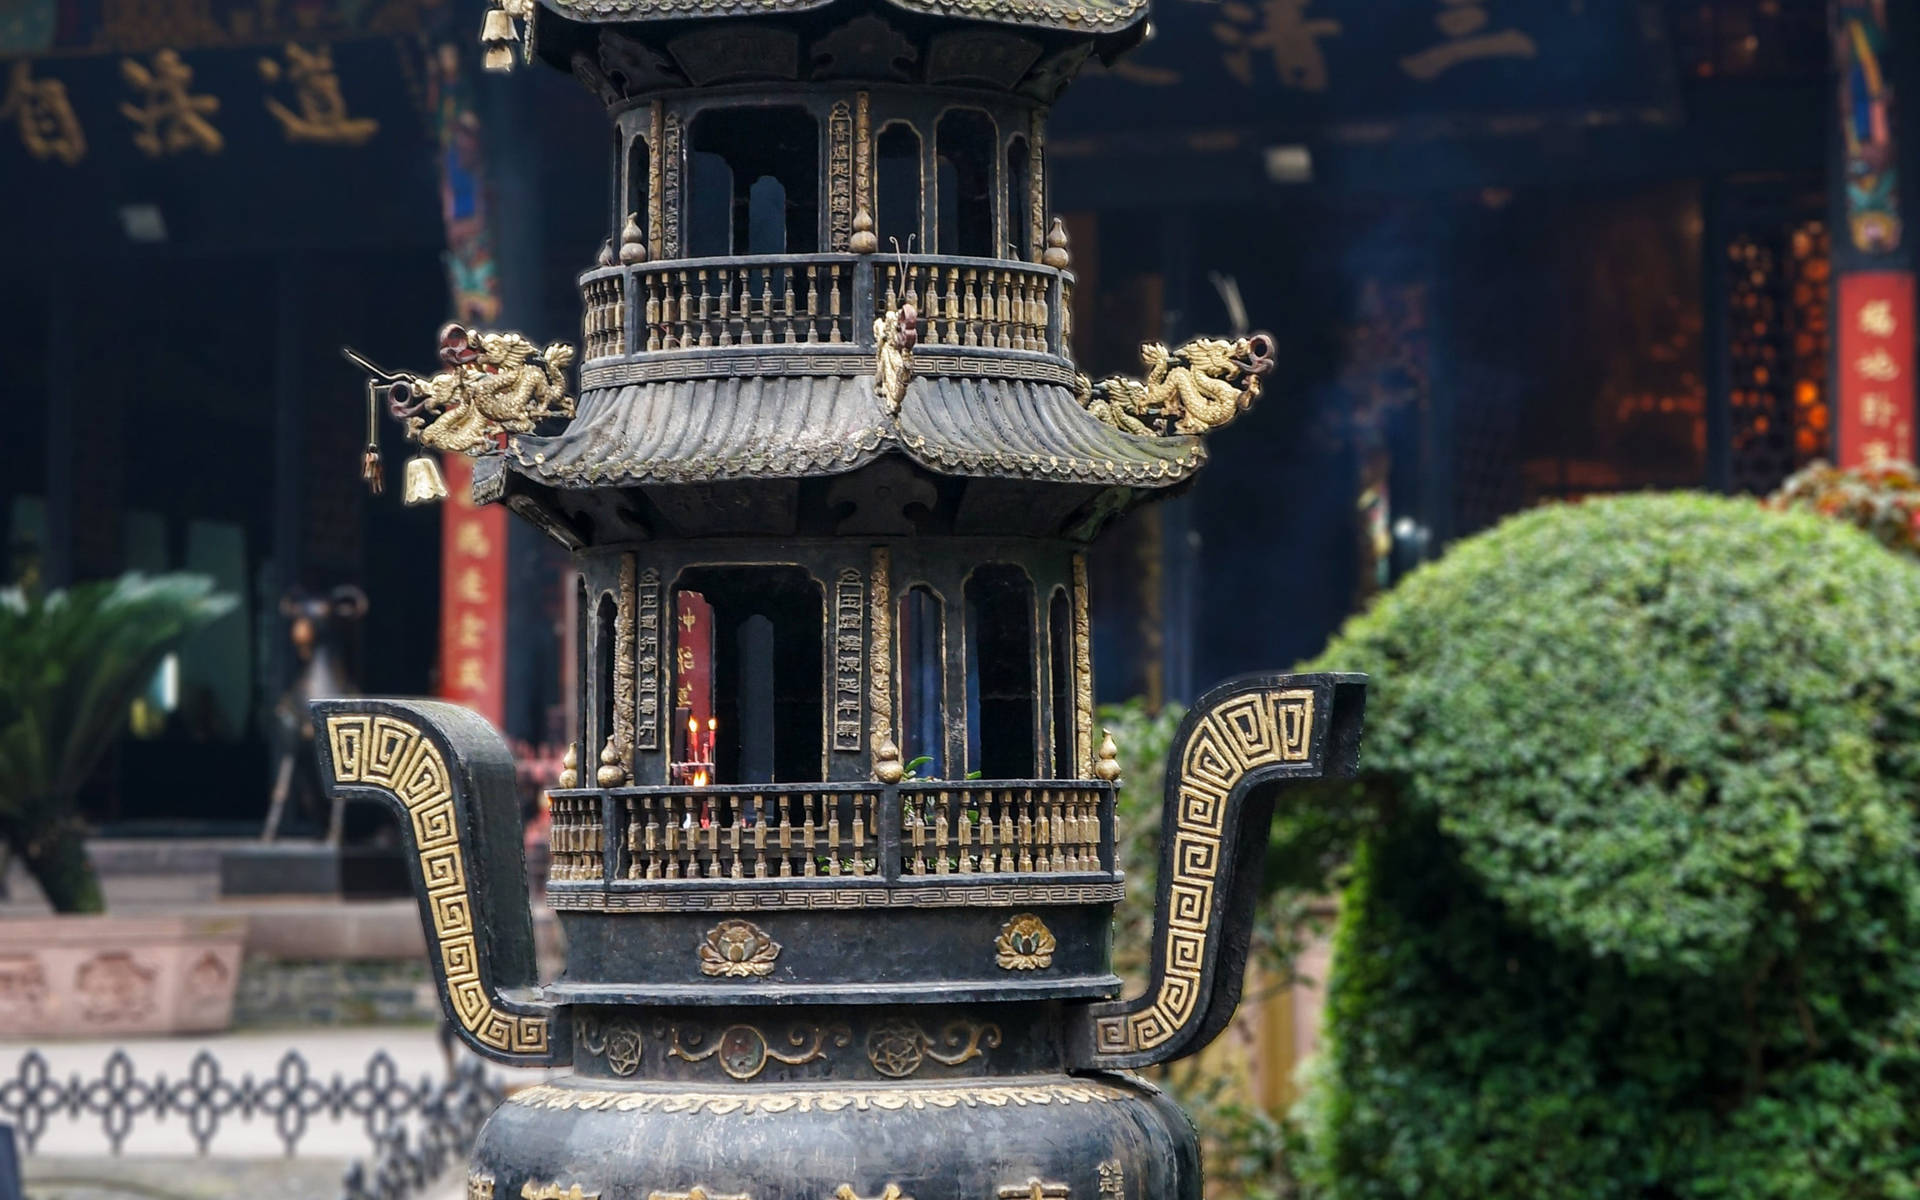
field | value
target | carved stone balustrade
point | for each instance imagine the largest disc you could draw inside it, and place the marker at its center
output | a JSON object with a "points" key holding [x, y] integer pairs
{"points": [[813, 315], [667, 839]]}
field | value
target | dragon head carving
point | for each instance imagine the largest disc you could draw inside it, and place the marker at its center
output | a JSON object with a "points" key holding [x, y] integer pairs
{"points": [[1199, 387]]}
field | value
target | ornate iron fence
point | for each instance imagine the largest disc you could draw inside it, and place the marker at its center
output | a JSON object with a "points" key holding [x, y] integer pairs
{"points": [[414, 1128]]}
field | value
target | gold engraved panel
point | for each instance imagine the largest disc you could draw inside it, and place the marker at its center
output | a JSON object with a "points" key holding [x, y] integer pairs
{"points": [[670, 166], [656, 180], [395, 755], [880, 655], [884, 1098], [839, 177], [1082, 668], [849, 647], [646, 726], [532, 1190], [1037, 198], [697, 1192], [1259, 729], [623, 674]]}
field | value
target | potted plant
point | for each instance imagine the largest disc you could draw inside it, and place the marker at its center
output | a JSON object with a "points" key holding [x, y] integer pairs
{"points": [[71, 663]]}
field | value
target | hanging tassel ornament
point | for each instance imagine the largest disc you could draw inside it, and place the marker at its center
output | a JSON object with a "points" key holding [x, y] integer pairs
{"points": [[370, 468], [497, 36]]}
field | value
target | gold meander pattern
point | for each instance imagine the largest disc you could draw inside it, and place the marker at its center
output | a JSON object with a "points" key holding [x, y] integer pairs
{"points": [[1255, 730], [876, 1099], [396, 755]]}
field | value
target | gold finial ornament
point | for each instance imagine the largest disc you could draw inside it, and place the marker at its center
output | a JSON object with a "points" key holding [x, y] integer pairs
{"points": [[1056, 255], [886, 763], [633, 243], [425, 484], [864, 240], [570, 767], [612, 771], [1106, 763]]}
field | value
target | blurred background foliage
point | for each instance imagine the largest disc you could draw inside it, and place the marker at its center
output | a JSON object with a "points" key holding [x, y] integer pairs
{"points": [[1630, 881]]}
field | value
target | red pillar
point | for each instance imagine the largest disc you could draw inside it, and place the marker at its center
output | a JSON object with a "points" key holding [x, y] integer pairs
{"points": [[1874, 296]]}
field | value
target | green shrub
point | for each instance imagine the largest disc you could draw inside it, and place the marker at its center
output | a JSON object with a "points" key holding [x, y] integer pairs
{"points": [[1637, 908], [71, 663]]}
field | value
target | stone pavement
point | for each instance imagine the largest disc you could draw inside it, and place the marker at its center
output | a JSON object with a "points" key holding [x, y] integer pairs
{"points": [[72, 1158]]}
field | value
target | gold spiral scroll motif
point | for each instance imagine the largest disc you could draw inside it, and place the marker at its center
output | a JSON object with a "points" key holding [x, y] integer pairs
{"points": [[1255, 730], [395, 755]]}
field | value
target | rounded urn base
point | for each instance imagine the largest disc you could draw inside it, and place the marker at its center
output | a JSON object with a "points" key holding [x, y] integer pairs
{"points": [[1043, 1137]]}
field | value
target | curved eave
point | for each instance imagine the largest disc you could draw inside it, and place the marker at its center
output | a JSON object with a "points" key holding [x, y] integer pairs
{"points": [[715, 430], [1090, 17]]}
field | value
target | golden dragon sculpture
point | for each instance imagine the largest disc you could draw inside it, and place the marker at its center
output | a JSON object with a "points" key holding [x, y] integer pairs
{"points": [[1201, 386]]}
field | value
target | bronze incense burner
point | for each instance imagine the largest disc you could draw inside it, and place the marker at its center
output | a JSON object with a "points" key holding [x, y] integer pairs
{"points": [[834, 849]]}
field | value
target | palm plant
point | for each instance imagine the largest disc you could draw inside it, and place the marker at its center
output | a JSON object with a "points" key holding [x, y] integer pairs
{"points": [[71, 663]]}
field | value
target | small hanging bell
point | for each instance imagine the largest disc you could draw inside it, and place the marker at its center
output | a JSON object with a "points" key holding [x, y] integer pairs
{"points": [[425, 483], [497, 36]]}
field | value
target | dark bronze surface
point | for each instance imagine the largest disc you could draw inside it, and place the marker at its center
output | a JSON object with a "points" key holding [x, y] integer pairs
{"points": [[797, 967]]}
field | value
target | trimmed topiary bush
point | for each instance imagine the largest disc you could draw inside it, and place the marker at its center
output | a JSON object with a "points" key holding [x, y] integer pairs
{"points": [[1636, 909]]}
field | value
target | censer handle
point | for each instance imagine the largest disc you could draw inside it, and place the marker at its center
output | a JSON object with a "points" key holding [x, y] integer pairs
{"points": [[1241, 743], [450, 777]]}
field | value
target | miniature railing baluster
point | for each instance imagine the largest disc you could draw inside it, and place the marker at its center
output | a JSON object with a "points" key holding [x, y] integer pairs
{"points": [[766, 831]]}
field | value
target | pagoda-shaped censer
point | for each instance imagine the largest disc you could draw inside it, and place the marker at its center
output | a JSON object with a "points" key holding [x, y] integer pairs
{"points": [[834, 851]]}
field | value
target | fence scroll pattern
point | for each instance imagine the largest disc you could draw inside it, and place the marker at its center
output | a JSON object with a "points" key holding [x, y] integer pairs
{"points": [[415, 1128]]}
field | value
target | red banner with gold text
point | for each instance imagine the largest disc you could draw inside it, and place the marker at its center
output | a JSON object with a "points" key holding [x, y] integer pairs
{"points": [[473, 596], [1876, 367]]}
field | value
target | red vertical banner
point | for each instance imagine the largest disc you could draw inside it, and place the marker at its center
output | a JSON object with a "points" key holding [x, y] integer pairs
{"points": [[692, 674], [473, 596], [1876, 347]]}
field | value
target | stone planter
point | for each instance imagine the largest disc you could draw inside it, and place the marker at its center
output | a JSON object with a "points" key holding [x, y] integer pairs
{"points": [[93, 976]]}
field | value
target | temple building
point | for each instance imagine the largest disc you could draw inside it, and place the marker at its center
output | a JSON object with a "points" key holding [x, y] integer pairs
{"points": [[1507, 252]]}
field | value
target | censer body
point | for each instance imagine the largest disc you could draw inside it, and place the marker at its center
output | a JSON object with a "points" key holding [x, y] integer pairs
{"points": [[834, 848]]}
